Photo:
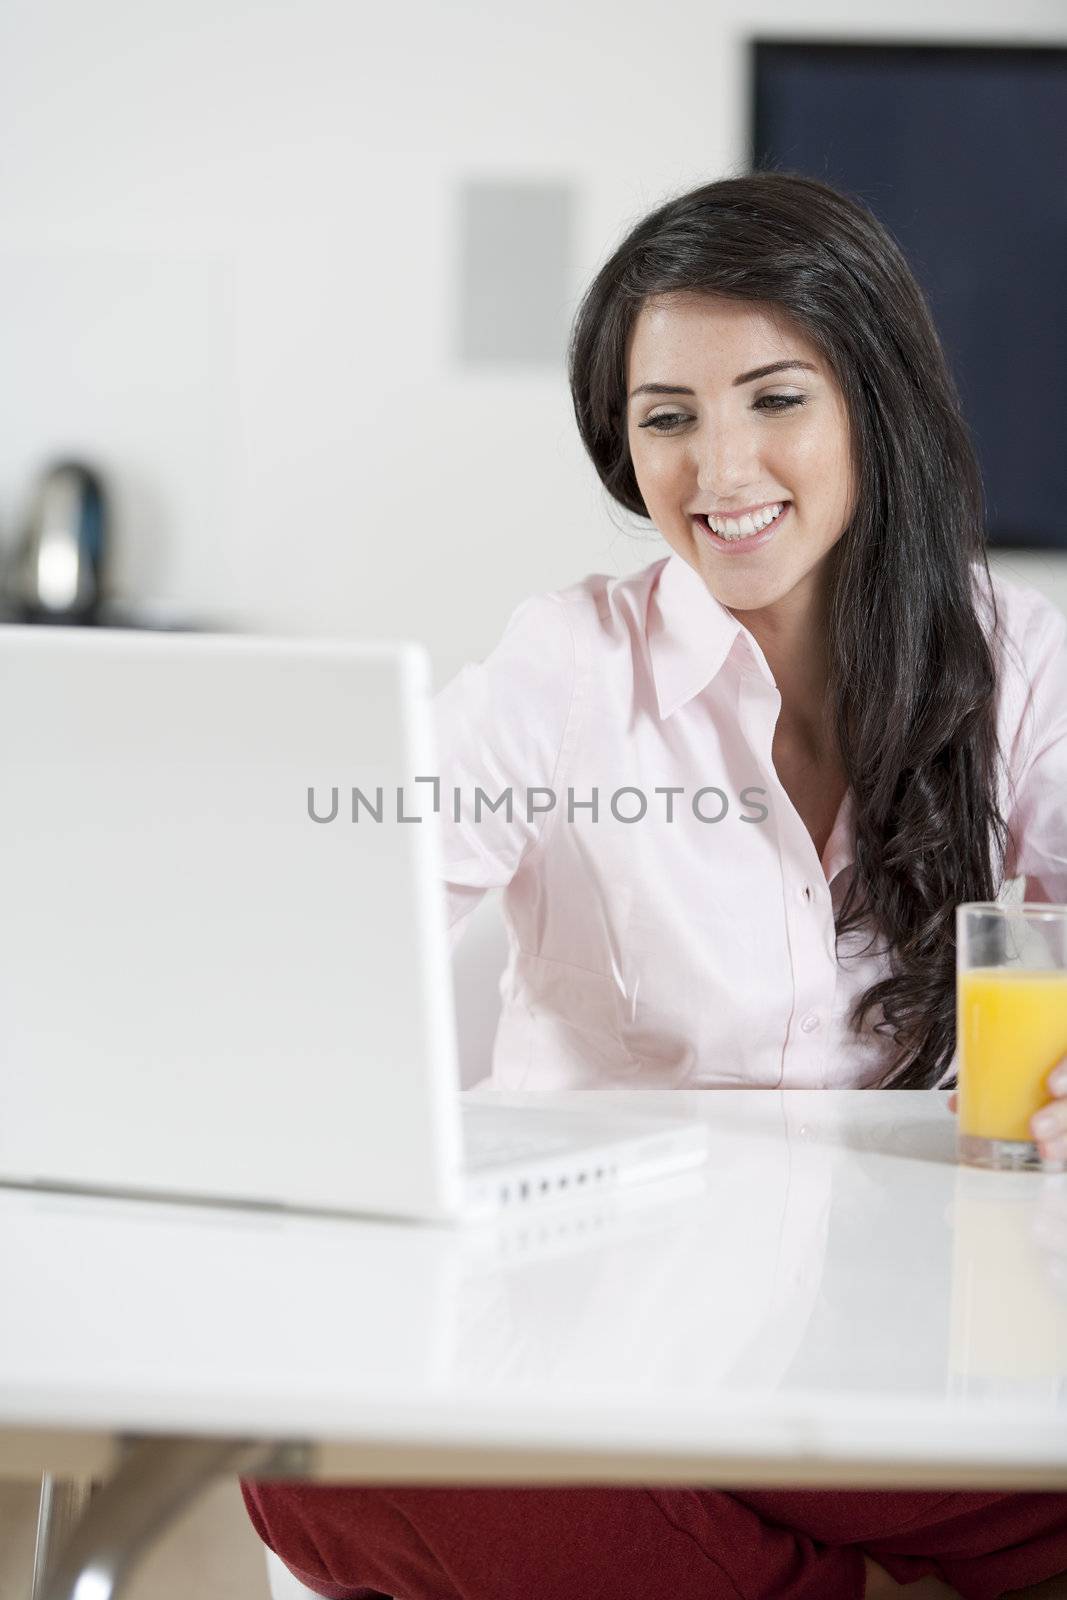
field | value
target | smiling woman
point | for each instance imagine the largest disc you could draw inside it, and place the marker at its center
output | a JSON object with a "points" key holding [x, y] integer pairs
{"points": [[755, 370]]}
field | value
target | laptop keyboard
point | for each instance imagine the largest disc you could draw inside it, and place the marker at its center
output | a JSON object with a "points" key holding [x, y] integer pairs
{"points": [[496, 1135]]}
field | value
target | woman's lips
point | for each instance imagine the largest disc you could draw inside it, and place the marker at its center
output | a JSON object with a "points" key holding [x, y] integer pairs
{"points": [[752, 541]]}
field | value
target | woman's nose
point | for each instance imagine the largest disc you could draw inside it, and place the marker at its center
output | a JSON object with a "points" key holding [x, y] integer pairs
{"points": [[724, 461]]}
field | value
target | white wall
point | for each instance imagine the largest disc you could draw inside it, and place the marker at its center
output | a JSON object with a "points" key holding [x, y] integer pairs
{"points": [[227, 273]]}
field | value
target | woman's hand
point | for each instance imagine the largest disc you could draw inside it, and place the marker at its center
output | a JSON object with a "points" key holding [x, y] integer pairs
{"points": [[1049, 1125]]}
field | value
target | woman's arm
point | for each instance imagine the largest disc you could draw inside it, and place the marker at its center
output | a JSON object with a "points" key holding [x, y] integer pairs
{"points": [[1036, 756], [500, 729], [1036, 753]]}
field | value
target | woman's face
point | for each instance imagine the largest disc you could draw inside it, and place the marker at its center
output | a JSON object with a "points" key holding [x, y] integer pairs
{"points": [[734, 441]]}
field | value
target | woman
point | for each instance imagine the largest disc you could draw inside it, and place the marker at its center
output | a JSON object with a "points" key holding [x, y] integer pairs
{"points": [[762, 771]]}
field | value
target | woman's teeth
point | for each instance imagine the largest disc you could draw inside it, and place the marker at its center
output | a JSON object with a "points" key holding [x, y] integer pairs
{"points": [[727, 528]]}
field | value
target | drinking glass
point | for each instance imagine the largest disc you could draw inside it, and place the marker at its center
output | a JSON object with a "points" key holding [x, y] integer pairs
{"points": [[1011, 1026]]}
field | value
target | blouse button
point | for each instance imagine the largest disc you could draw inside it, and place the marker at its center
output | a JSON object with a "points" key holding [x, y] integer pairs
{"points": [[810, 1023], [807, 891]]}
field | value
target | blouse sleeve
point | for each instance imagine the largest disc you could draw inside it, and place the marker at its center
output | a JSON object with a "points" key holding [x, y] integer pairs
{"points": [[1037, 764], [501, 728]]}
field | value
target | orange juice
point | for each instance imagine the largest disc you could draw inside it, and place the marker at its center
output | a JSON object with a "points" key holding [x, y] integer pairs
{"points": [[1012, 1027]]}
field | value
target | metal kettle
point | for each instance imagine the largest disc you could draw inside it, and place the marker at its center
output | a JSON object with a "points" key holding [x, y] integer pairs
{"points": [[57, 571]]}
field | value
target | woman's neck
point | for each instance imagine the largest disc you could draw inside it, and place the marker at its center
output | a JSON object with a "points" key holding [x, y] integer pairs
{"points": [[793, 637]]}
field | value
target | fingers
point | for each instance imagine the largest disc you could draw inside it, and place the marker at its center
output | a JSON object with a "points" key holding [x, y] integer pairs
{"points": [[1049, 1125]]}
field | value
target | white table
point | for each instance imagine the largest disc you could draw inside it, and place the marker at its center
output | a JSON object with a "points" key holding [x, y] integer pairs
{"points": [[832, 1301]]}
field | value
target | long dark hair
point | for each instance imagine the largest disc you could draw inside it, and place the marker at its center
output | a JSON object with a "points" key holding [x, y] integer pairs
{"points": [[913, 678]]}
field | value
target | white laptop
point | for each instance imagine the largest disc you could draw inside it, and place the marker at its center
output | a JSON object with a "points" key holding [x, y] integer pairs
{"points": [[204, 991]]}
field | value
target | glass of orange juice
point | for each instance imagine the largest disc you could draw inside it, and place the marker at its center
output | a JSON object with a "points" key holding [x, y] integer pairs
{"points": [[1011, 1026]]}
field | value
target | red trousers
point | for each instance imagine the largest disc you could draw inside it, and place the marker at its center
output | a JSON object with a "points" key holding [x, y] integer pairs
{"points": [[652, 1544]]}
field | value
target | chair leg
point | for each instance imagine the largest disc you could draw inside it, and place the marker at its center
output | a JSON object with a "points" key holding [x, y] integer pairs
{"points": [[155, 1480], [59, 1508]]}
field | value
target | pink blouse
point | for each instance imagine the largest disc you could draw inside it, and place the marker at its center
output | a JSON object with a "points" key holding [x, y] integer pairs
{"points": [[670, 923]]}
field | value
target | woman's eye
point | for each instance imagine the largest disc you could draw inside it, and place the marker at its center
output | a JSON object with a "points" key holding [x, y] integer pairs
{"points": [[667, 421], [664, 422], [780, 402]]}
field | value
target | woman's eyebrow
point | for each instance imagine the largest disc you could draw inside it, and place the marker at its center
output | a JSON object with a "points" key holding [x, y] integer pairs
{"points": [[742, 377]]}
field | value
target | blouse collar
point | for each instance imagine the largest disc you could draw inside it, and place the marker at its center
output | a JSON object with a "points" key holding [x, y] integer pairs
{"points": [[690, 635]]}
